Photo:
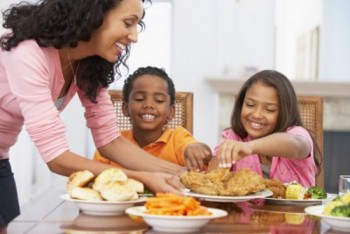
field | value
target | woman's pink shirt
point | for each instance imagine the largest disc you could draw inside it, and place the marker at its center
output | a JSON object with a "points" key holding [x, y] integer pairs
{"points": [[286, 170], [31, 80]]}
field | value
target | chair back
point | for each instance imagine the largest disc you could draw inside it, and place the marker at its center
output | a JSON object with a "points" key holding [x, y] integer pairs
{"points": [[183, 110], [311, 112]]}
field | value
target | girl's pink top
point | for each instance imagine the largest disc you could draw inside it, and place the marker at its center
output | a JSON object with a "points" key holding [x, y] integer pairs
{"points": [[31, 80], [286, 170]]}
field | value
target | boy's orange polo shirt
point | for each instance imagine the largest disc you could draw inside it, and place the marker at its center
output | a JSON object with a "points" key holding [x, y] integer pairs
{"points": [[170, 146]]}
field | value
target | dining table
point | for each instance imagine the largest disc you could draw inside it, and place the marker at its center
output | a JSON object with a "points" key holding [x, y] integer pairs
{"points": [[52, 214]]}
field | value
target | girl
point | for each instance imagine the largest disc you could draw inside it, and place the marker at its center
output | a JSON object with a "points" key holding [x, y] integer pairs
{"points": [[149, 101], [266, 134]]}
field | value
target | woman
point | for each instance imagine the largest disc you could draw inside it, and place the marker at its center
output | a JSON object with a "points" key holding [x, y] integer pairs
{"points": [[52, 50]]}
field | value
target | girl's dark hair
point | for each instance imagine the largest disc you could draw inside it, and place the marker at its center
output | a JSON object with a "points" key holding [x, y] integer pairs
{"points": [[128, 83], [63, 23], [288, 109]]}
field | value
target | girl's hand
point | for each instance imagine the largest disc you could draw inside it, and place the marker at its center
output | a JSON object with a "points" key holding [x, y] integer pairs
{"points": [[231, 151], [197, 156]]}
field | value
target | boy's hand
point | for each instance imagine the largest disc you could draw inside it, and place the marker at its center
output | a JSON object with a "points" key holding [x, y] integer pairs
{"points": [[197, 156]]}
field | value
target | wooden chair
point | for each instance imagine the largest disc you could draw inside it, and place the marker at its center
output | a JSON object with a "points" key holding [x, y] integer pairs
{"points": [[311, 112], [183, 110]]}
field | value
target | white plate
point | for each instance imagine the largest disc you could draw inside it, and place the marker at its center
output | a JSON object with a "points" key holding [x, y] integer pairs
{"points": [[337, 223], [102, 208], [261, 194], [303, 202], [168, 223]]}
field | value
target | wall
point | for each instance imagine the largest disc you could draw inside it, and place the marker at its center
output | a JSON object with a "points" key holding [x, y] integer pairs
{"points": [[222, 38]]}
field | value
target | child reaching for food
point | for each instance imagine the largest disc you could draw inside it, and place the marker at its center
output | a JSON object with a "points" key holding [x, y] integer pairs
{"points": [[266, 134], [149, 101]]}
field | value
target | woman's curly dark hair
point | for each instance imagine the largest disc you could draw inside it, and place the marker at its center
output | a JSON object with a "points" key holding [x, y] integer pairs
{"points": [[128, 83], [63, 23]]}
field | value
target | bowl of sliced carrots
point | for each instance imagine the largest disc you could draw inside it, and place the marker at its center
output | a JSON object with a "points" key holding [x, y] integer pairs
{"points": [[167, 212]]}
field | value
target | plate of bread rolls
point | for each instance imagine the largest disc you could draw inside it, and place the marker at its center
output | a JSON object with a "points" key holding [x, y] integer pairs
{"points": [[109, 193]]}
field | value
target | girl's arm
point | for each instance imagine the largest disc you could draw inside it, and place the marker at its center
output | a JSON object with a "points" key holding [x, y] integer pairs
{"points": [[287, 145], [282, 144]]}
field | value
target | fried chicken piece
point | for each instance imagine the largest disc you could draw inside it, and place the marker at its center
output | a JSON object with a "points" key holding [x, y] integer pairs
{"points": [[198, 182], [243, 182], [277, 187], [223, 182]]}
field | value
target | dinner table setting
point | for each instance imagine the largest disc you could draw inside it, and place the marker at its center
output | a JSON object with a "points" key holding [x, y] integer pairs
{"points": [[74, 210]]}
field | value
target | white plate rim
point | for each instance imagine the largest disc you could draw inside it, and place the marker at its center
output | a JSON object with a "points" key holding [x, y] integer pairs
{"points": [[68, 198], [317, 211], [138, 211], [300, 201], [260, 194]]}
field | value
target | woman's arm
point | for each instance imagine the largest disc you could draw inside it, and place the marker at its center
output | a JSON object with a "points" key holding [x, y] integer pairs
{"points": [[69, 162], [128, 155]]}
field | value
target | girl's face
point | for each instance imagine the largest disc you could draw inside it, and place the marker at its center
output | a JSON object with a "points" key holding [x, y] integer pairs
{"points": [[149, 104], [118, 30], [260, 110]]}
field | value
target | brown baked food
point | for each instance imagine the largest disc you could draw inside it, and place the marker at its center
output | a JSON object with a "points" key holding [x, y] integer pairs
{"points": [[111, 174], [79, 179], [118, 191], [222, 182], [85, 194], [276, 187]]}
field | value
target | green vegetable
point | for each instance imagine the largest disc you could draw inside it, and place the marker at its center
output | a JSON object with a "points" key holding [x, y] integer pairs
{"points": [[342, 211], [337, 198], [317, 192]]}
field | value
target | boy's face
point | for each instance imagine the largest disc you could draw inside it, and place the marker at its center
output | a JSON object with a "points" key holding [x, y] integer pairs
{"points": [[260, 110], [149, 104]]}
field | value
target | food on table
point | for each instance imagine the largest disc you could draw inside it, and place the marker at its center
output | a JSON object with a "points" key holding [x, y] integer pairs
{"points": [[345, 198], [86, 194], [118, 191], [110, 185], [79, 179], [175, 205], [276, 187], [295, 191], [315, 192], [111, 174], [339, 206], [222, 182]]}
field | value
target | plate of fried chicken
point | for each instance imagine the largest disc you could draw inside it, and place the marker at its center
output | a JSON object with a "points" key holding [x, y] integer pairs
{"points": [[221, 185]]}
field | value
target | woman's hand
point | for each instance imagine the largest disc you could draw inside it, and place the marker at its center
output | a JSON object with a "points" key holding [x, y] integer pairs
{"points": [[231, 151], [163, 183], [197, 156]]}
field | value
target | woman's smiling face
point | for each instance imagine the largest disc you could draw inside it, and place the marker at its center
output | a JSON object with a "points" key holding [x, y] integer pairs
{"points": [[260, 110], [118, 30]]}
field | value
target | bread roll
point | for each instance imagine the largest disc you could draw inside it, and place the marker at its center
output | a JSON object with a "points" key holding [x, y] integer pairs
{"points": [[135, 184], [111, 174], [79, 179], [86, 194], [118, 191]]}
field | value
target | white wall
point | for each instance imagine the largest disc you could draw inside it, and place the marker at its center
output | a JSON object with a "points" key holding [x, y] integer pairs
{"points": [[214, 38], [335, 40]]}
